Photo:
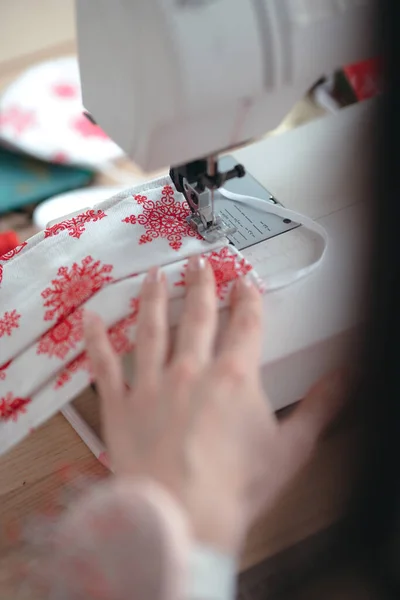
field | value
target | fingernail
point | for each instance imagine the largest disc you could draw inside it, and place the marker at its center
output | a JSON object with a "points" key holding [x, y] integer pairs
{"points": [[154, 275], [244, 284], [196, 263]]}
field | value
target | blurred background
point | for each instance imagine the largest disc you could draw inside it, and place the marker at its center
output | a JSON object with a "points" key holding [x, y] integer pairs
{"points": [[53, 160], [48, 148]]}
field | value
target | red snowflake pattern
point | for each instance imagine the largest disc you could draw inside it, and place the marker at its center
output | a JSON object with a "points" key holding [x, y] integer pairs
{"points": [[140, 199], [86, 129], [226, 267], [119, 333], [59, 158], [3, 369], [11, 253], [11, 407], [73, 286], [65, 90], [81, 362], [8, 322], [76, 225], [164, 218], [119, 338], [63, 337], [132, 220], [17, 119], [134, 305]]}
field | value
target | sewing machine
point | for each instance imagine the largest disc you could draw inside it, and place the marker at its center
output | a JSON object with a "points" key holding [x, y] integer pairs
{"points": [[178, 82]]}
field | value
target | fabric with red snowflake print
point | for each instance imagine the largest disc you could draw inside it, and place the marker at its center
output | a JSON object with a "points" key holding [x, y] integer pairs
{"points": [[84, 128], [11, 407], [119, 335], [75, 225], [71, 260], [73, 285], [63, 337], [17, 119], [8, 322], [79, 363], [65, 90], [41, 114], [165, 218], [11, 253], [3, 370], [8, 256], [56, 363], [227, 267]]}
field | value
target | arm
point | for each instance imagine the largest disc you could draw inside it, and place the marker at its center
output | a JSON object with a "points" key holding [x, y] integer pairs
{"points": [[129, 538], [196, 451]]}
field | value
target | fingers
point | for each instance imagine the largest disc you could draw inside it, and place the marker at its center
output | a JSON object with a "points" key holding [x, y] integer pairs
{"points": [[241, 343], [152, 328], [107, 370], [316, 412], [196, 332]]}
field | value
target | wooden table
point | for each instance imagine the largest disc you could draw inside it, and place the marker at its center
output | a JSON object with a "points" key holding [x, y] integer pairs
{"points": [[31, 480], [30, 474]]}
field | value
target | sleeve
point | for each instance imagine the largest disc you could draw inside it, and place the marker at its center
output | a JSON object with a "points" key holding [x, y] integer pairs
{"points": [[128, 539], [211, 575]]}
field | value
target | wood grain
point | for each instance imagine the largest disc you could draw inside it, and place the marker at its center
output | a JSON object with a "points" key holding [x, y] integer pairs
{"points": [[30, 480]]}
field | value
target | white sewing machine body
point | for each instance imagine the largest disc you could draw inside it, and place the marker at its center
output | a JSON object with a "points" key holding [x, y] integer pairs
{"points": [[320, 169], [313, 326], [171, 81]]}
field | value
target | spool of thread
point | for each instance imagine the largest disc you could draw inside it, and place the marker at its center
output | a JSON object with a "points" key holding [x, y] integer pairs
{"points": [[8, 241]]}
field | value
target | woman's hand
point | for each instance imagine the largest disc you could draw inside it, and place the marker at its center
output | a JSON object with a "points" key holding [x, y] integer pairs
{"points": [[197, 420]]}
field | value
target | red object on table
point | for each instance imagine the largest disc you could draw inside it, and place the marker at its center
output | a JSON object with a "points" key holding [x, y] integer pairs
{"points": [[8, 241], [365, 78]]}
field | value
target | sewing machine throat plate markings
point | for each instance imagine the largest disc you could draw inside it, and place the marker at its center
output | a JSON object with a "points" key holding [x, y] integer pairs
{"points": [[252, 226]]}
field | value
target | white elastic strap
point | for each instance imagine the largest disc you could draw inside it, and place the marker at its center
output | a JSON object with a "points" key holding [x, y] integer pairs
{"points": [[277, 282]]}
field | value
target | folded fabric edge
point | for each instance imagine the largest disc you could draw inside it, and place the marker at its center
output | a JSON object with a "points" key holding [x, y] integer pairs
{"points": [[10, 436], [34, 240]]}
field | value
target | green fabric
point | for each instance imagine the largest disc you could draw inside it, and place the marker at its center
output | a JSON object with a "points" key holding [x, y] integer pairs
{"points": [[25, 180]]}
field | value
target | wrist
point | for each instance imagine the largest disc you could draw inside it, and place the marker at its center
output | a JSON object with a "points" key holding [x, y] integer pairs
{"points": [[220, 526]]}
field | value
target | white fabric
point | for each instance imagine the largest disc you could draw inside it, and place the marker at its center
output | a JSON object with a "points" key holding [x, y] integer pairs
{"points": [[119, 248], [97, 261], [41, 113]]}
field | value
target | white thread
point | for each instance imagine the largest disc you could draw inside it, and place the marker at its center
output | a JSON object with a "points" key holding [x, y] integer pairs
{"points": [[283, 280]]}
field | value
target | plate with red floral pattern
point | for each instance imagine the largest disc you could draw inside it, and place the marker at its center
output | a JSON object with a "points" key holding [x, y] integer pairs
{"points": [[41, 113]]}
